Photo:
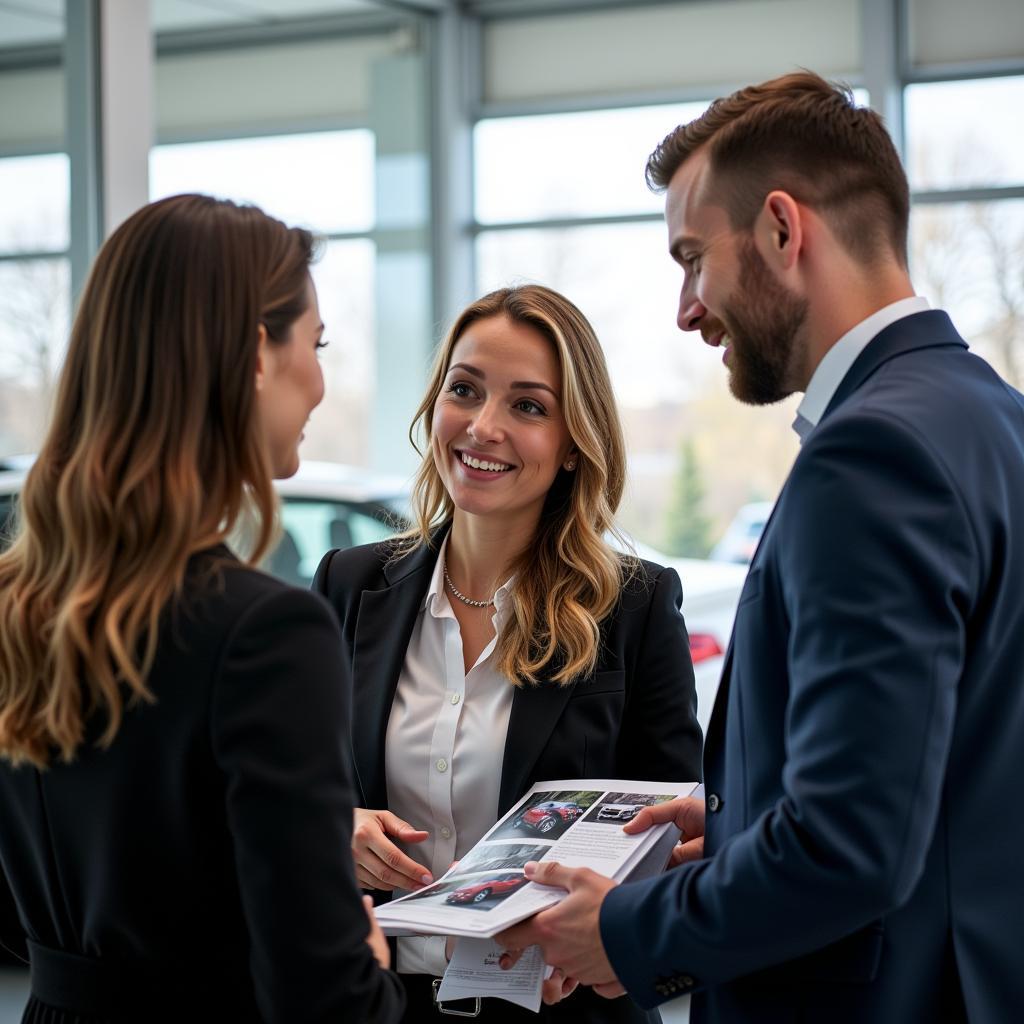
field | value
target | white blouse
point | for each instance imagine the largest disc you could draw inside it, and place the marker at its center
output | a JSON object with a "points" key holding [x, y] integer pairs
{"points": [[444, 748]]}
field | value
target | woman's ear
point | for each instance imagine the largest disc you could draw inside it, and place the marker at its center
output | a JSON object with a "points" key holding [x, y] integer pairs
{"points": [[262, 357]]}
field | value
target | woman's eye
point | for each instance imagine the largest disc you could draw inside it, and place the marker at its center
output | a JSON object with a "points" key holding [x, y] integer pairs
{"points": [[322, 345], [460, 389], [530, 406]]}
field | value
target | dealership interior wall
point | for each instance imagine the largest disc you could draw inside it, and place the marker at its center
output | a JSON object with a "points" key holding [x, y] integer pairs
{"points": [[443, 147]]}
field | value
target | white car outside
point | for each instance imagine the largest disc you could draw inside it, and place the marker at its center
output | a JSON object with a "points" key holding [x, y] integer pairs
{"points": [[326, 506]]}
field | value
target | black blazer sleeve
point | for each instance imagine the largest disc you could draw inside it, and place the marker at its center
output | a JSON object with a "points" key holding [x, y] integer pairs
{"points": [[659, 738], [12, 936], [279, 720]]}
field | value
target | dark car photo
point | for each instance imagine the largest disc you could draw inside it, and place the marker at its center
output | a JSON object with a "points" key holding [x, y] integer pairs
{"points": [[545, 816], [501, 885]]}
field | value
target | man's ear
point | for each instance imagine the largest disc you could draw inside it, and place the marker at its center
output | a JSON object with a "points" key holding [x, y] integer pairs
{"points": [[262, 357], [779, 230]]}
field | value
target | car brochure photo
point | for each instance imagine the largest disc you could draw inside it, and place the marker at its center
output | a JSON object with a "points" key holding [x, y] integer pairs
{"points": [[577, 822]]}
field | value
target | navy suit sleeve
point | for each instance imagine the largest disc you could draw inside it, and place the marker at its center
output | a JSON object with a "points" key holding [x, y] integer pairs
{"points": [[878, 561], [280, 728], [660, 738]]}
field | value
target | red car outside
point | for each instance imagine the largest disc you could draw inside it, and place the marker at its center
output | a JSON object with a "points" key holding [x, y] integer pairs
{"points": [[545, 816], [502, 885]]}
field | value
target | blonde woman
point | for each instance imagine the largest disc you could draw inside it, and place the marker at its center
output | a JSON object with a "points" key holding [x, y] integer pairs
{"points": [[174, 800], [502, 641]]}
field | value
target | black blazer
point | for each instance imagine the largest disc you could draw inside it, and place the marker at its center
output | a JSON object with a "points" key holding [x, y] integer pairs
{"points": [[865, 751], [634, 718], [199, 868]]}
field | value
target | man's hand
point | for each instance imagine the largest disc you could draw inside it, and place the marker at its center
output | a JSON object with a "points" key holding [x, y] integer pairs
{"points": [[557, 987], [569, 934], [687, 813], [379, 863]]}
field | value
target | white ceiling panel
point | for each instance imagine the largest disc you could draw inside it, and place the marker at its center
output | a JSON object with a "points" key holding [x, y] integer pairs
{"points": [[189, 15], [31, 22], [41, 22]]}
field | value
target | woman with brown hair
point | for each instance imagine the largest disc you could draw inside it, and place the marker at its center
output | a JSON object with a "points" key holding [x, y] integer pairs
{"points": [[175, 801], [502, 641]]}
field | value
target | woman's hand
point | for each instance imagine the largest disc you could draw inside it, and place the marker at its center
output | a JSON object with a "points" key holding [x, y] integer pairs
{"points": [[375, 940], [379, 863]]}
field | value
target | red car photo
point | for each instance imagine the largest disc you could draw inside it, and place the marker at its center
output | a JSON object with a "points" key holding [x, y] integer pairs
{"points": [[500, 885], [545, 816]]}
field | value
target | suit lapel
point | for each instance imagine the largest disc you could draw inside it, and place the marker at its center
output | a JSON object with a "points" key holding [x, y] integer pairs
{"points": [[920, 330], [929, 329], [535, 712], [384, 626]]}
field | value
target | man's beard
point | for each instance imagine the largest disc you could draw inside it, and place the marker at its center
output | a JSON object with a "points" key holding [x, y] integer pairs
{"points": [[763, 320]]}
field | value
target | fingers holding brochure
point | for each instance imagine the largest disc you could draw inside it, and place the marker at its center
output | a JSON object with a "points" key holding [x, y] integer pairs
{"points": [[569, 933], [379, 863], [686, 813]]}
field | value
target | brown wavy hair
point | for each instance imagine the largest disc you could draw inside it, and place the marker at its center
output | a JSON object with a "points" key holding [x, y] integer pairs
{"points": [[568, 580], [806, 136], [153, 453]]}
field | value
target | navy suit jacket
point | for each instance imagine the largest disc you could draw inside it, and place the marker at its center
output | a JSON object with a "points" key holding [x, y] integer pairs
{"points": [[863, 848]]}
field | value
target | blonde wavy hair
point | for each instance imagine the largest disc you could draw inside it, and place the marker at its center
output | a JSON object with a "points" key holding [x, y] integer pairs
{"points": [[154, 452], [568, 580]]}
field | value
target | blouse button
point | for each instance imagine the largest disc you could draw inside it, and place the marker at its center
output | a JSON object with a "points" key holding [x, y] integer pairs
{"points": [[442, 764], [456, 697], [446, 833]]}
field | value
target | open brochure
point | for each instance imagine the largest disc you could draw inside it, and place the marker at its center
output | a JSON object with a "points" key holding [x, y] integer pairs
{"points": [[577, 822]]}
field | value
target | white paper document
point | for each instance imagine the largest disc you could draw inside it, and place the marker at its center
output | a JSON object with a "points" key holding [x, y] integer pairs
{"points": [[474, 971], [577, 822]]}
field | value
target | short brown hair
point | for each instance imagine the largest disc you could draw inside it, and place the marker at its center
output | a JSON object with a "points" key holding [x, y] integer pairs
{"points": [[805, 136]]}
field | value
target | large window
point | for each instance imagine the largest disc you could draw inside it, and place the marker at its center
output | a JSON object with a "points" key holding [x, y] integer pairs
{"points": [[34, 293], [582, 221], [323, 181], [966, 164]]}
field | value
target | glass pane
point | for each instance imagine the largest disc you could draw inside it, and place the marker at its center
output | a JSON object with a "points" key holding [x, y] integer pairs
{"points": [[338, 430], [310, 528], [35, 212], [683, 427], [34, 324], [563, 165], [967, 259], [322, 180], [962, 134]]}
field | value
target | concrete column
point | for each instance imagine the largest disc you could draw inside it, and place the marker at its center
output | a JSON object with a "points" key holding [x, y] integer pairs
{"points": [[109, 81], [405, 329]]}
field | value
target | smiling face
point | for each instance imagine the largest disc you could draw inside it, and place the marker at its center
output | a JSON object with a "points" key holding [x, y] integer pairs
{"points": [[499, 437], [290, 385], [729, 292]]}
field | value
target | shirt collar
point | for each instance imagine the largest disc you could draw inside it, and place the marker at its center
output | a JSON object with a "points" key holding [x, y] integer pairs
{"points": [[842, 355], [436, 600]]}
